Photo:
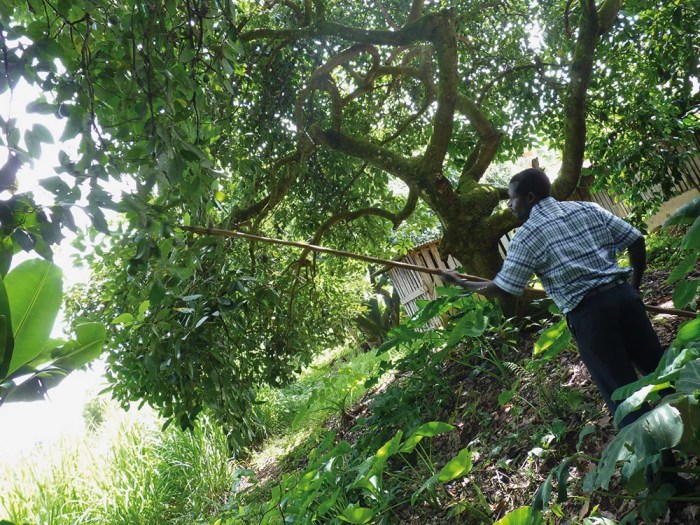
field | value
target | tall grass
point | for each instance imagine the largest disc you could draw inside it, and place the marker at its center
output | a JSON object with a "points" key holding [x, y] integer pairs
{"points": [[128, 472]]}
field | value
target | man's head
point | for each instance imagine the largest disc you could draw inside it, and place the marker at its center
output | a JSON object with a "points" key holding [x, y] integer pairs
{"points": [[526, 189]]}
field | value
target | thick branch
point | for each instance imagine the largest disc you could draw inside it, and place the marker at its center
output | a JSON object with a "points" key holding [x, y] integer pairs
{"points": [[575, 104], [421, 29], [416, 10], [265, 205], [486, 148], [607, 13], [378, 156], [445, 42]]}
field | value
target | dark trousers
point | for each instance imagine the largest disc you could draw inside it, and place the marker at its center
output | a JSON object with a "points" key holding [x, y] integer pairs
{"points": [[615, 340]]}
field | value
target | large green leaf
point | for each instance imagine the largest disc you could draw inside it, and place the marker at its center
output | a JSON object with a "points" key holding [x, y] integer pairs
{"points": [[88, 345], [356, 514], [658, 430], [688, 332], [692, 238], [636, 400], [684, 267], [34, 292], [427, 430], [458, 466], [6, 338], [553, 339], [520, 516], [690, 413], [471, 324], [689, 380], [685, 292]]}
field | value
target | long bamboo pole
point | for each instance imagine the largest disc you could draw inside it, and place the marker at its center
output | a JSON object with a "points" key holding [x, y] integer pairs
{"points": [[396, 264]]}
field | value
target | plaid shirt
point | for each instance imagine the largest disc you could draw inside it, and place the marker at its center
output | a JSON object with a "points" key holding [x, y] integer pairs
{"points": [[571, 246]]}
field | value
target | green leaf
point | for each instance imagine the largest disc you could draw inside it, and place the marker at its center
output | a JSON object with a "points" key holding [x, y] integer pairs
{"points": [[471, 324], [686, 214], [43, 108], [427, 485], [88, 345], [431, 429], [97, 217], [6, 253], [355, 514], [157, 292], [126, 319], [55, 185], [586, 431], [689, 380], [689, 331], [42, 133], [553, 339], [684, 267], [7, 341], [658, 430], [636, 400], [34, 291], [458, 466], [685, 292], [690, 414], [520, 516], [692, 238]]}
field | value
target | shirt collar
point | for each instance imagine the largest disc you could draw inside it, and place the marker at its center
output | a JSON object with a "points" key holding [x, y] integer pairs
{"points": [[543, 205]]}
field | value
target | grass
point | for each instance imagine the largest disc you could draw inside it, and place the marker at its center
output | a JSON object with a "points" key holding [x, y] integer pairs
{"points": [[126, 472]]}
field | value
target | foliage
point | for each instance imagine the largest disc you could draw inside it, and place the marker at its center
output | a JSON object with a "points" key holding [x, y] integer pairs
{"points": [[381, 313], [644, 109], [391, 463], [30, 362], [125, 472], [210, 331], [640, 449], [662, 247], [686, 290]]}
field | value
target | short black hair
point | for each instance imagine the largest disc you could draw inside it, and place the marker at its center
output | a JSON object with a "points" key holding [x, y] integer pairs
{"points": [[532, 180]]}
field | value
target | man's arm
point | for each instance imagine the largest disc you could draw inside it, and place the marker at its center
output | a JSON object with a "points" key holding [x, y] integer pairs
{"points": [[637, 252], [485, 288]]}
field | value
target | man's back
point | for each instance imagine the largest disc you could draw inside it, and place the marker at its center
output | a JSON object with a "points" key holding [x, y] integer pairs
{"points": [[571, 246]]}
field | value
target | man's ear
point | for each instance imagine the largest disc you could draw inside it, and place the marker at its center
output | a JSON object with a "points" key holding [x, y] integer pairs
{"points": [[531, 197]]}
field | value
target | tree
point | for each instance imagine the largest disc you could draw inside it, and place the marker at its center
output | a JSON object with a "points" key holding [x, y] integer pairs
{"points": [[291, 118]]}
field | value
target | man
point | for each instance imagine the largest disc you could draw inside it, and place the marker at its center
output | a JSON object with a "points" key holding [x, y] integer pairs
{"points": [[572, 247]]}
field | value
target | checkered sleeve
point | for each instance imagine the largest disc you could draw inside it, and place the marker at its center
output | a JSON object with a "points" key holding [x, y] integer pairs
{"points": [[517, 269], [622, 232]]}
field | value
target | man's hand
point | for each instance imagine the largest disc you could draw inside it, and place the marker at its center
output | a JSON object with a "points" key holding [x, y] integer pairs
{"points": [[485, 288], [450, 276]]}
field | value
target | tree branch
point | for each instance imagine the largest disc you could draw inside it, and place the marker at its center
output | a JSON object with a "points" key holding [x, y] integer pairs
{"points": [[387, 16], [416, 10], [382, 158], [446, 49], [487, 146], [348, 216], [607, 14], [421, 29], [265, 205], [575, 103]]}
